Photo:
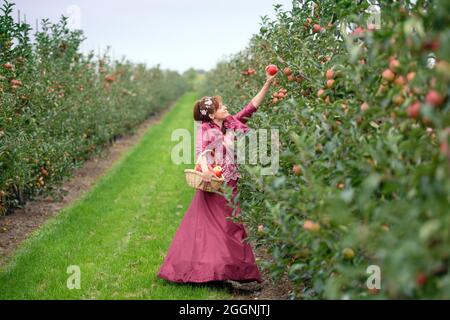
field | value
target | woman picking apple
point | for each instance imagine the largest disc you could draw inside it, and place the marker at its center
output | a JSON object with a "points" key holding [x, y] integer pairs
{"points": [[207, 246]]}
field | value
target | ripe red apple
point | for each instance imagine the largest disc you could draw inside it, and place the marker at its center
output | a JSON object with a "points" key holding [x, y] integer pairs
{"points": [[217, 171], [364, 106], [432, 45], [320, 93], [311, 226], [388, 75], [316, 28], [271, 69], [307, 22], [287, 71], [434, 98], [110, 78], [330, 83], [421, 279], [400, 81], [413, 110], [291, 78], [410, 76], [297, 169], [394, 64], [16, 83], [198, 168], [329, 74], [8, 66]]}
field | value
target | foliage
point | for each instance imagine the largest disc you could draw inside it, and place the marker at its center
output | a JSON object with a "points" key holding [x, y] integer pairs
{"points": [[59, 107], [364, 171]]}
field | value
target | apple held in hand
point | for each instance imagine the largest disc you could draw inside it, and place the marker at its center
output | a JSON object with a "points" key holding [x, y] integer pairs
{"points": [[217, 171], [271, 69]]}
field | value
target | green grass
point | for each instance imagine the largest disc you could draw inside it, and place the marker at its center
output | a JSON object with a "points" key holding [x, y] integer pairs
{"points": [[118, 233]]}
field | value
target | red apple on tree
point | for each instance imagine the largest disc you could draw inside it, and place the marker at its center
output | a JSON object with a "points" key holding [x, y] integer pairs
{"points": [[410, 76], [316, 28], [8, 66], [320, 93], [287, 71], [413, 110], [434, 98], [388, 75], [16, 83], [311, 226], [394, 64], [364, 106], [329, 74], [330, 83], [421, 279], [400, 81], [307, 22], [297, 169]]}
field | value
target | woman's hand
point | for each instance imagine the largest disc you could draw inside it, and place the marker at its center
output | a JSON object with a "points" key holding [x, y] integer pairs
{"points": [[206, 176], [259, 98], [269, 78]]}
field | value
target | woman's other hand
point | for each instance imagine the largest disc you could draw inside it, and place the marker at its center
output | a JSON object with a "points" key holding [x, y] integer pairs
{"points": [[206, 176]]}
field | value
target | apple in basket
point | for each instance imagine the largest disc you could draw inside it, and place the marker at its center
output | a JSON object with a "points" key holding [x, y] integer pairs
{"points": [[217, 171], [198, 168]]}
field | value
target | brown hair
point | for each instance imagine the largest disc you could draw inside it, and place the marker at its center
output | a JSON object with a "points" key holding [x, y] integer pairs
{"points": [[200, 105]]}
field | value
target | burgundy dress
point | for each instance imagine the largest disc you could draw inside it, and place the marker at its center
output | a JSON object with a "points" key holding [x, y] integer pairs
{"points": [[207, 246]]}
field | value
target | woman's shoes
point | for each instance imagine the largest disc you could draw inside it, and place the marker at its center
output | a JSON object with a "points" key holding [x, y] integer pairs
{"points": [[246, 286]]}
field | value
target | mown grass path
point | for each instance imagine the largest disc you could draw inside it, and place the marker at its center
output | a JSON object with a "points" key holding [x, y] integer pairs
{"points": [[118, 233]]}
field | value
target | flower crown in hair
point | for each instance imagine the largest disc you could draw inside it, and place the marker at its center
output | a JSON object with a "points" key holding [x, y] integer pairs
{"points": [[208, 102]]}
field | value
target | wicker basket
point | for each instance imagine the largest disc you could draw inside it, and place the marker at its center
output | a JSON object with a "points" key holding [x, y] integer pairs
{"points": [[195, 180]]}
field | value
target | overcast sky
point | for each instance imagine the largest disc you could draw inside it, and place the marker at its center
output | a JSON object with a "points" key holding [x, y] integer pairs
{"points": [[177, 34]]}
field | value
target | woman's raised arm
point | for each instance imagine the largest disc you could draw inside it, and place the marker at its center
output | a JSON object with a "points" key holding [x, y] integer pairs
{"points": [[253, 105]]}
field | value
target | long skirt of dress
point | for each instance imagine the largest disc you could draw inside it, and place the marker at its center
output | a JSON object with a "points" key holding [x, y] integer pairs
{"points": [[207, 246]]}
